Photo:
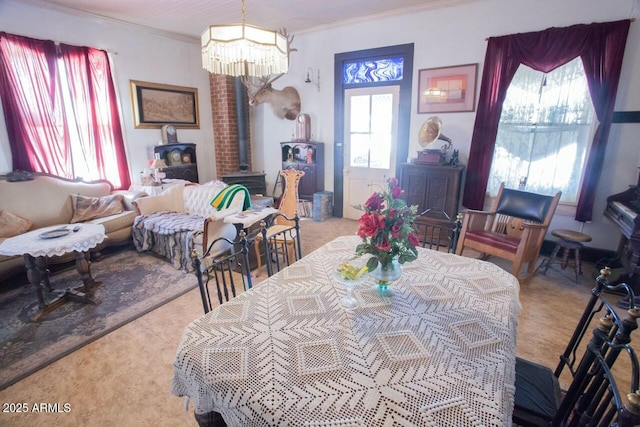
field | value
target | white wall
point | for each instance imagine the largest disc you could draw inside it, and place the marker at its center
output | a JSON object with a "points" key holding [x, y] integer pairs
{"points": [[454, 36], [137, 55], [444, 37]]}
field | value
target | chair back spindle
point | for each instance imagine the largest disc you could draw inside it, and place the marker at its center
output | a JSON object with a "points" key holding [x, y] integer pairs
{"points": [[228, 270], [436, 230]]}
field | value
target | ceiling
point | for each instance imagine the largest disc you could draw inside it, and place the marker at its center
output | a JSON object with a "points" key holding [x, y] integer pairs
{"points": [[190, 17]]}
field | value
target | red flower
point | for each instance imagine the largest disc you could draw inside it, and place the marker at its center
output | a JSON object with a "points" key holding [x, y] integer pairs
{"points": [[413, 239], [375, 202], [397, 192], [370, 224], [384, 245], [395, 230], [393, 182]]}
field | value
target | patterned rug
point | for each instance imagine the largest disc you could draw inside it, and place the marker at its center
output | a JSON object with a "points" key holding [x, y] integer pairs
{"points": [[132, 285]]}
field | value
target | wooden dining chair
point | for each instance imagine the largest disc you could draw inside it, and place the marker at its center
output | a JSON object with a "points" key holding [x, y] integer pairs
{"points": [[514, 228], [228, 270], [436, 230], [594, 396], [282, 242], [287, 217]]}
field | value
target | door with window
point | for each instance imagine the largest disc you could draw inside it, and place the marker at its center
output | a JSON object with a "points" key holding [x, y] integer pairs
{"points": [[372, 108], [370, 141]]}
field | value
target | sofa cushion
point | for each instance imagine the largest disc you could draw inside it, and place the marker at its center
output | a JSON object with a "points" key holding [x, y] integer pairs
{"points": [[88, 208], [12, 225], [116, 222], [170, 200], [197, 199]]}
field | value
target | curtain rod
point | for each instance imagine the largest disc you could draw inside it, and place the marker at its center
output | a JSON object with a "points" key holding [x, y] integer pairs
{"points": [[630, 19]]}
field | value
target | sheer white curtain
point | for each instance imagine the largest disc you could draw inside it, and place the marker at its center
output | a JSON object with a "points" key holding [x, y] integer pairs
{"points": [[544, 132]]}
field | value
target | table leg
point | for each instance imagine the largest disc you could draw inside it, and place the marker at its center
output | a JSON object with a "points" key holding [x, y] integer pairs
{"points": [[36, 269], [38, 276], [83, 265]]}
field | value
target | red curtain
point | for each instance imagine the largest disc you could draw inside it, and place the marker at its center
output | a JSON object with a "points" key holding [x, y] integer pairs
{"points": [[601, 48], [33, 113], [97, 119], [62, 133]]}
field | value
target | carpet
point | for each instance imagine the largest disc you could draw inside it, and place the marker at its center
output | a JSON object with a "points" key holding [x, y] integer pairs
{"points": [[132, 285]]}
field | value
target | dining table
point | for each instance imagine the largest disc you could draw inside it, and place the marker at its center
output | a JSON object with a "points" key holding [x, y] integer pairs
{"points": [[439, 351]]}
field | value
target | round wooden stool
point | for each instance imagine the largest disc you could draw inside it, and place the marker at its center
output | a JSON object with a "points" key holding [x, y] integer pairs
{"points": [[568, 240]]}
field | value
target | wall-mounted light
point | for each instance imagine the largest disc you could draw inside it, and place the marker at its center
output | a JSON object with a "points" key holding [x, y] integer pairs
{"points": [[310, 79]]}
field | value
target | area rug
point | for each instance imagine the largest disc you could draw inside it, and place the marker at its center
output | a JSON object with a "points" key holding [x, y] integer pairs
{"points": [[132, 285]]}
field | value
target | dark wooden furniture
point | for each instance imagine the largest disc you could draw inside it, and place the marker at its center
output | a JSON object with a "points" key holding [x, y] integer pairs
{"points": [[221, 269], [622, 209], [254, 181], [307, 156], [438, 231], [180, 159], [432, 186], [593, 396]]}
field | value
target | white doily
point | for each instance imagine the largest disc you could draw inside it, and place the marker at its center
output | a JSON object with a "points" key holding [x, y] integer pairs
{"points": [[33, 243]]}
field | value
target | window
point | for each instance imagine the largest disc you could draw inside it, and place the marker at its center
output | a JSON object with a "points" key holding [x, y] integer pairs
{"points": [[371, 127], [61, 103], [544, 132], [379, 70]]}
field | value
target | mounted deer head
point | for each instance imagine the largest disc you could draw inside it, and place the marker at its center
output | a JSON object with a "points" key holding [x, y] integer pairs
{"points": [[286, 102]]}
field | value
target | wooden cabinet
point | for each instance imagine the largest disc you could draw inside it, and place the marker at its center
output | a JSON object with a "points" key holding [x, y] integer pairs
{"points": [[180, 159], [432, 186], [307, 156]]}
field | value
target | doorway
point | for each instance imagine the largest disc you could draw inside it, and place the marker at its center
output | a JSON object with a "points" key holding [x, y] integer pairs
{"points": [[370, 70], [370, 143]]}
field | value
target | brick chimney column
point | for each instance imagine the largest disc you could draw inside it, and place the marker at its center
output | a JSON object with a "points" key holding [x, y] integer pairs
{"points": [[225, 124]]}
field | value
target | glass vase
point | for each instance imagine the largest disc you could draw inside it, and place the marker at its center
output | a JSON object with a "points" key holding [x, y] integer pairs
{"points": [[385, 276]]}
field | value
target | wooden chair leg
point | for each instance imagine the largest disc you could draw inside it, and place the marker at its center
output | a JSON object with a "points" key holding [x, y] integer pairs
{"points": [[256, 245]]}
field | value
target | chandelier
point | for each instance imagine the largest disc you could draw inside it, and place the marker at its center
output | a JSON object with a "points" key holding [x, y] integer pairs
{"points": [[244, 50]]}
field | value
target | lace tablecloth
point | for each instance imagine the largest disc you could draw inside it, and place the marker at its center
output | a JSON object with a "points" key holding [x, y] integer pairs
{"points": [[441, 351], [87, 237]]}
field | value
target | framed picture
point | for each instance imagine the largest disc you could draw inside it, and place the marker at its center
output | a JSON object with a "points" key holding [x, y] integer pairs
{"points": [[155, 105], [447, 89]]}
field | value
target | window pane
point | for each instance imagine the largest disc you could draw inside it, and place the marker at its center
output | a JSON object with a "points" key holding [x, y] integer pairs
{"points": [[359, 149], [360, 113], [380, 151], [381, 70], [544, 132]]}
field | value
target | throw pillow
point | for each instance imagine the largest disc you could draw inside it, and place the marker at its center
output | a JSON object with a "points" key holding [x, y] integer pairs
{"points": [[88, 208], [170, 200], [12, 225]]}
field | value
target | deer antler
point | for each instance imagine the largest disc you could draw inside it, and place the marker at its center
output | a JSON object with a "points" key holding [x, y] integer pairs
{"points": [[267, 80]]}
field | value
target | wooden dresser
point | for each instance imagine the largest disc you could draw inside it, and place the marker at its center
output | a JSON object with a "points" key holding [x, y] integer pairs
{"points": [[432, 186], [180, 159], [307, 156]]}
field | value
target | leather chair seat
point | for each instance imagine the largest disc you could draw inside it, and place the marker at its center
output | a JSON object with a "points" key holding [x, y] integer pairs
{"points": [[497, 240]]}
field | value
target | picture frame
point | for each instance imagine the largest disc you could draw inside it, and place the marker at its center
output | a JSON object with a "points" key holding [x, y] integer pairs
{"points": [[155, 105], [447, 89]]}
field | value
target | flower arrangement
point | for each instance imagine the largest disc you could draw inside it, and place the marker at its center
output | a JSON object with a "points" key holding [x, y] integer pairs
{"points": [[386, 228]]}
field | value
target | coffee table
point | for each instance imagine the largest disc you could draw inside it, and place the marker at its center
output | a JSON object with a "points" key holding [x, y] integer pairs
{"points": [[35, 246]]}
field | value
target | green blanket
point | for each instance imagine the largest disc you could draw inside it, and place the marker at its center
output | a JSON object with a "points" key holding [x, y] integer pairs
{"points": [[223, 199]]}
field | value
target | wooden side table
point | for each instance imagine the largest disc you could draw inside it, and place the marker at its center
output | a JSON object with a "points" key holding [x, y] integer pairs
{"points": [[35, 246]]}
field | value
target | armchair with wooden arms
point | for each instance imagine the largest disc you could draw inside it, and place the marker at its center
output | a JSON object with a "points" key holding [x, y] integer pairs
{"points": [[514, 228]]}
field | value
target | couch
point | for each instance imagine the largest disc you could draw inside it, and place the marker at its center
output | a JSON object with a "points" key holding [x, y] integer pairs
{"points": [[42, 200], [182, 219]]}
